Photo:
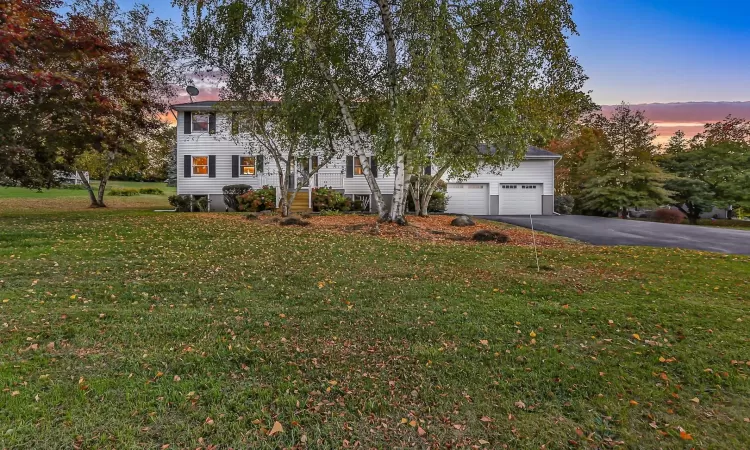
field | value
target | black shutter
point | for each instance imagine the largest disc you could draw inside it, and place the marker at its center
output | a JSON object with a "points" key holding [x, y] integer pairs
{"points": [[259, 163], [211, 166], [349, 167], [212, 123], [235, 166], [188, 118], [188, 166], [374, 166], [428, 169]]}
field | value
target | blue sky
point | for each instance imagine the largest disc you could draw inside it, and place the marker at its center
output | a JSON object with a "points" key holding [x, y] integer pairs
{"points": [[650, 51], [647, 51]]}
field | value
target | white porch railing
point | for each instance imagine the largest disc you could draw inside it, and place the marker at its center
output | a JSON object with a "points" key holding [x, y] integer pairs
{"points": [[331, 180]]}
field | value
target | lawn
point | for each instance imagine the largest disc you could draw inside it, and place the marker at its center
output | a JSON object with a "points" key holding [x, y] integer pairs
{"points": [[734, 223], [126, 328], [55, 193], [14, 200]]}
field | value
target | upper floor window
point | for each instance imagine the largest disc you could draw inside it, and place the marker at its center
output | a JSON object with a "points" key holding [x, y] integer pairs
{"points": [[200, 123], [247, 165], [200, 165], [358, 166]]}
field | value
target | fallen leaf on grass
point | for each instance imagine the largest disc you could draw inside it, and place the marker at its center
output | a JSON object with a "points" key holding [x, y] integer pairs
{"points": [[520, 404], [483, 442], [421, 431], [486, 419], [685, 435], [277, 428], [695, 400], [636, 336], [484, 342]]}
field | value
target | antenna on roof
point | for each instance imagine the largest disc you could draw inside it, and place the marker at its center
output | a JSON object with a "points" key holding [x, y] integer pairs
{"points": [[192, 92]]}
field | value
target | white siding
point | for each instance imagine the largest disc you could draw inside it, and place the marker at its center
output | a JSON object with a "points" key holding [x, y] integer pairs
{"points": [[221, 145], [536, 171]]}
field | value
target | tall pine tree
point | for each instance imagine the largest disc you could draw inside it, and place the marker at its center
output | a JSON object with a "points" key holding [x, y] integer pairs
{"points": [[621, 173]]}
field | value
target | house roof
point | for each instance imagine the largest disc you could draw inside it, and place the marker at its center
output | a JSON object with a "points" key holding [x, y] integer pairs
{"points": [[531, 153], [195, 106], [536, 152]]}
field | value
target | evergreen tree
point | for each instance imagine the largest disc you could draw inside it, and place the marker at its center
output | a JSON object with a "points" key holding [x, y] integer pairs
{"points": [[621, 173]]}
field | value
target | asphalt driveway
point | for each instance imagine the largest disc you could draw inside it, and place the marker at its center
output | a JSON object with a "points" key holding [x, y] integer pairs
{"points": [[606, 231]]}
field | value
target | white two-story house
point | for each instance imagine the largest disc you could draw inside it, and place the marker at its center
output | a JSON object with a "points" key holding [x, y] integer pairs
{"points": [[208, 159]]}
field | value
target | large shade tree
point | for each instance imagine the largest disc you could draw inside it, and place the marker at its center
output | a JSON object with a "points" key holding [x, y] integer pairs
{"points": [[429, 81], [67, 87], [707, 175]]}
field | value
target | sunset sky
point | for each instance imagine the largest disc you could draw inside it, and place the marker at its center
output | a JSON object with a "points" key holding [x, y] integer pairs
{"points": [[692, 57]]}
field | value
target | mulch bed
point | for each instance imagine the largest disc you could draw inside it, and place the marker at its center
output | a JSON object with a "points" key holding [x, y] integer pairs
{"points": [[435, 228]]}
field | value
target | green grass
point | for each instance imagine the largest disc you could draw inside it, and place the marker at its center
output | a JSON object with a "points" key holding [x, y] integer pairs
{"points": [[18, 193], [196, 330], [724, 223]]}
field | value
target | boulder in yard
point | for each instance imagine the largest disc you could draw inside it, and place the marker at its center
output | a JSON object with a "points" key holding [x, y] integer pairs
{"points": [[490, 236], [252, 216], [462, 221], [293, 220]]}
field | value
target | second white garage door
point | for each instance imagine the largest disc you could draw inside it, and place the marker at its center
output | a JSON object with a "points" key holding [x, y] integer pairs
{"points": [[520, 199], [468, 198]]}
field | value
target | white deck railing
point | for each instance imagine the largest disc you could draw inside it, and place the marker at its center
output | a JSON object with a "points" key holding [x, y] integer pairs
{"points": [[332, 180]]}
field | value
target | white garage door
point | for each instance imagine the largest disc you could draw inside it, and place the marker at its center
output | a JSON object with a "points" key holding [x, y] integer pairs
{"points": [[468, 198], [519, 199]]}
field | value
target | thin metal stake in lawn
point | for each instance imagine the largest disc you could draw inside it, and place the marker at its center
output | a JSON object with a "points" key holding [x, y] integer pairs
{"points": [[533, 238]]}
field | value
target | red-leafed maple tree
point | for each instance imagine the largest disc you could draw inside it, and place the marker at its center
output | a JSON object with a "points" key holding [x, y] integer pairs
{"points": [[66, 86]]}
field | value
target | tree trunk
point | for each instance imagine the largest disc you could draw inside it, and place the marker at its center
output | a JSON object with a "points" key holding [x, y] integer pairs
{"points": [[693, 213], [105, 178], [430, 189], [353, 133], [416, 197], [398, 203], [90, 190], [624, 212]]}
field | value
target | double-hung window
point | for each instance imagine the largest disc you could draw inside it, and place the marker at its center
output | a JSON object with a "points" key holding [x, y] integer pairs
{"points": [[200, 123], [200, 166], [358, 166], [247, 165]]}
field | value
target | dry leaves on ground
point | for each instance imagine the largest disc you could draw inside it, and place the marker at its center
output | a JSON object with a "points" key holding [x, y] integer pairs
{"points": [[436, 228]]}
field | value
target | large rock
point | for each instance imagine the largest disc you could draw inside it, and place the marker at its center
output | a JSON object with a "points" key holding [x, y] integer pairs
{"points": [[462, 221], [252, 216], [293, 220], [490, 236]]}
